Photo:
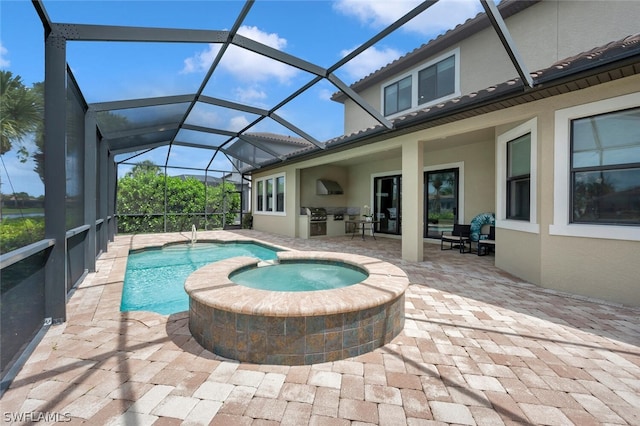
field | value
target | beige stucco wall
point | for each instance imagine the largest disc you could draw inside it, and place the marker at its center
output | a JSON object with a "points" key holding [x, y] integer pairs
{"points": [[594, 267], [308, 178], [287, 223], [544, 34], [519, 254]]}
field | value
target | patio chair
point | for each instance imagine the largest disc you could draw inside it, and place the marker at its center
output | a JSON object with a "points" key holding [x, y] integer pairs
{"points": [[487, 245], [459, 237]]}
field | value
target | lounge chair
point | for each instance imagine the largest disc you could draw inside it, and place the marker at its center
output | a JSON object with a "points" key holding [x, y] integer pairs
{"points": [[459, 237], [486, 246]]}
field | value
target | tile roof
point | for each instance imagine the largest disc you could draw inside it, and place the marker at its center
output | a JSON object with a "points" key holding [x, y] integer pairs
{"points": [[462, 31], [614, 60]]}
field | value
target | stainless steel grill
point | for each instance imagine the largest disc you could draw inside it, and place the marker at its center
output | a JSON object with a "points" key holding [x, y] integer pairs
{"points": [[317, 214], [317, 217]]}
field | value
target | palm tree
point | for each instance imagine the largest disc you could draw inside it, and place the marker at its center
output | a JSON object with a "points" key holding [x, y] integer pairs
{"points": [[20, 113]]}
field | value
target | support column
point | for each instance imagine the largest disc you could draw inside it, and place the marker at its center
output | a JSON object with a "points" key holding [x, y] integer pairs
{"points": [[55, 176], [90, 182], [111, 196], [103, 195], [412, 201]]}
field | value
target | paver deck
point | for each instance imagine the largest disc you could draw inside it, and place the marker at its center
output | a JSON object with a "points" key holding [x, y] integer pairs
{"points": [[479, 347]]}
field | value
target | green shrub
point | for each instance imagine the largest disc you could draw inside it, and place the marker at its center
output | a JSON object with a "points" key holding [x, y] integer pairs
{"points": [[20, 232]]}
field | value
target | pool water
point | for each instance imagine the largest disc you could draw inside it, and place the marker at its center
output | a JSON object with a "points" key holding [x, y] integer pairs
{"points": [[154, 280], [299, 276]]}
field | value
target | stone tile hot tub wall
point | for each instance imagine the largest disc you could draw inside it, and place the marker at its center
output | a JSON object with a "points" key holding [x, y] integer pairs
{"points": [[296, 328]]}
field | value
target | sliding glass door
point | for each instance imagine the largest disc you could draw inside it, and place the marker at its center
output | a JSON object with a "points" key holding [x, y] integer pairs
{"points": [[386, 204], [441, 201]]}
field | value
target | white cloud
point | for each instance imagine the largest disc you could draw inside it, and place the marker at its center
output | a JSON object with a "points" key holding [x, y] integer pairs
{"points": [[325, 94], [243, 64], [369, 61], [4, 63], [444, 15], [250, 95], [238, 123]]}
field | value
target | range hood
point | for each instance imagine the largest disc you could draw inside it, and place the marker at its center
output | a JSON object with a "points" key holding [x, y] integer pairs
{"points": [[328, 187]]}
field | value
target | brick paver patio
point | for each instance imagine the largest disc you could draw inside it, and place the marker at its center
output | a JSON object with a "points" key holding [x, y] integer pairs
{"points": [[479, 348]]}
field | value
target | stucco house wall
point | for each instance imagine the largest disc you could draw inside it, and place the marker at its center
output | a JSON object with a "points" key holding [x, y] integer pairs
{"points": [[597, 261], [543, 33]]}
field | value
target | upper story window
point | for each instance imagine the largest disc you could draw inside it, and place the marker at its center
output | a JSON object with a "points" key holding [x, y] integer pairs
{"points": [[270, 194], [397, 96], [605, 168], [437, 80]]}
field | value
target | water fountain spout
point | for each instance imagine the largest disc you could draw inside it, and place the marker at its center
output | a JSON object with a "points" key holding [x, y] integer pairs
{"points": [[194, 234]]}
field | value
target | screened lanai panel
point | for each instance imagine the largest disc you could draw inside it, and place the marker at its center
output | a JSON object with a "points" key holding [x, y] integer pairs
{"points": [[142, 140], [308, 37], [252, 78], [156, 156], [315, 112], [249, 153], [217, 117], [205, 139], [109, 71], [189, 157], [148, 117], [275, 138], [75, 156]]}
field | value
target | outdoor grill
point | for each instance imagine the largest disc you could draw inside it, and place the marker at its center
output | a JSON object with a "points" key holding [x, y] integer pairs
{"points": [[317, 217]]}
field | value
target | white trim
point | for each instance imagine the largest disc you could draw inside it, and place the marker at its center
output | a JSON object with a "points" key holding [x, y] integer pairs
{"points": [[531, 225], [414, 84], [561, 177], [264, 179]]}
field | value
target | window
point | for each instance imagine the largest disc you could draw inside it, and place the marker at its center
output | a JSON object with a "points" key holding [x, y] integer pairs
{"points": [[597, 170], [270, 194], [280, 194], [516, 178], [260, 195], [397, 96], [437, 81], [519, 178], [605, 168]]}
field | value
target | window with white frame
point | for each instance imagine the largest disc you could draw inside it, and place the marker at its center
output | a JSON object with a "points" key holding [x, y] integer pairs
{"points": [[519, 178], [516, 178], [397, 96], [597, 170], [438, 80], [270, 194], [605, 168]]}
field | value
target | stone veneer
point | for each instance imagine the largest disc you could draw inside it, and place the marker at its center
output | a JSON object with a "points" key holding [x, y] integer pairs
{"points": [[296, 328]]}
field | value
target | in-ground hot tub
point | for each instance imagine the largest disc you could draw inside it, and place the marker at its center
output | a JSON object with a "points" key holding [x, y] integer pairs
{"points": [[296, 327]]}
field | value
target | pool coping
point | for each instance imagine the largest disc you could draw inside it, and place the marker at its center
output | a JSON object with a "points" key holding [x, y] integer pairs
{"points": [[211, 285]]}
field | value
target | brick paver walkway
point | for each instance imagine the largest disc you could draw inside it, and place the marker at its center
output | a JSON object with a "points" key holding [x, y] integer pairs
{"points": [[479, 348]]}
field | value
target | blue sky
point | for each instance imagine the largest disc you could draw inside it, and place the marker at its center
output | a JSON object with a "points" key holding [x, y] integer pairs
{"points": [[320, 32]]}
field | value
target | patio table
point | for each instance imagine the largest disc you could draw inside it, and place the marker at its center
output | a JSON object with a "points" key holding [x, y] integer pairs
{"points": [[362, 224]]}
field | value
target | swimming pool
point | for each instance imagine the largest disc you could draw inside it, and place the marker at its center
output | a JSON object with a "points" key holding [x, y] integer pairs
{"points": [[154, 280]]}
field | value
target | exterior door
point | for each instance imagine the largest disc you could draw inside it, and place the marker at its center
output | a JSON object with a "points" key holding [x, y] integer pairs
{"points": [[386, 204], [441, 201]]}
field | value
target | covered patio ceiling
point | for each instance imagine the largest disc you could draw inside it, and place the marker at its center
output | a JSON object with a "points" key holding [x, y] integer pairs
{"points": [[208, 123]]}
